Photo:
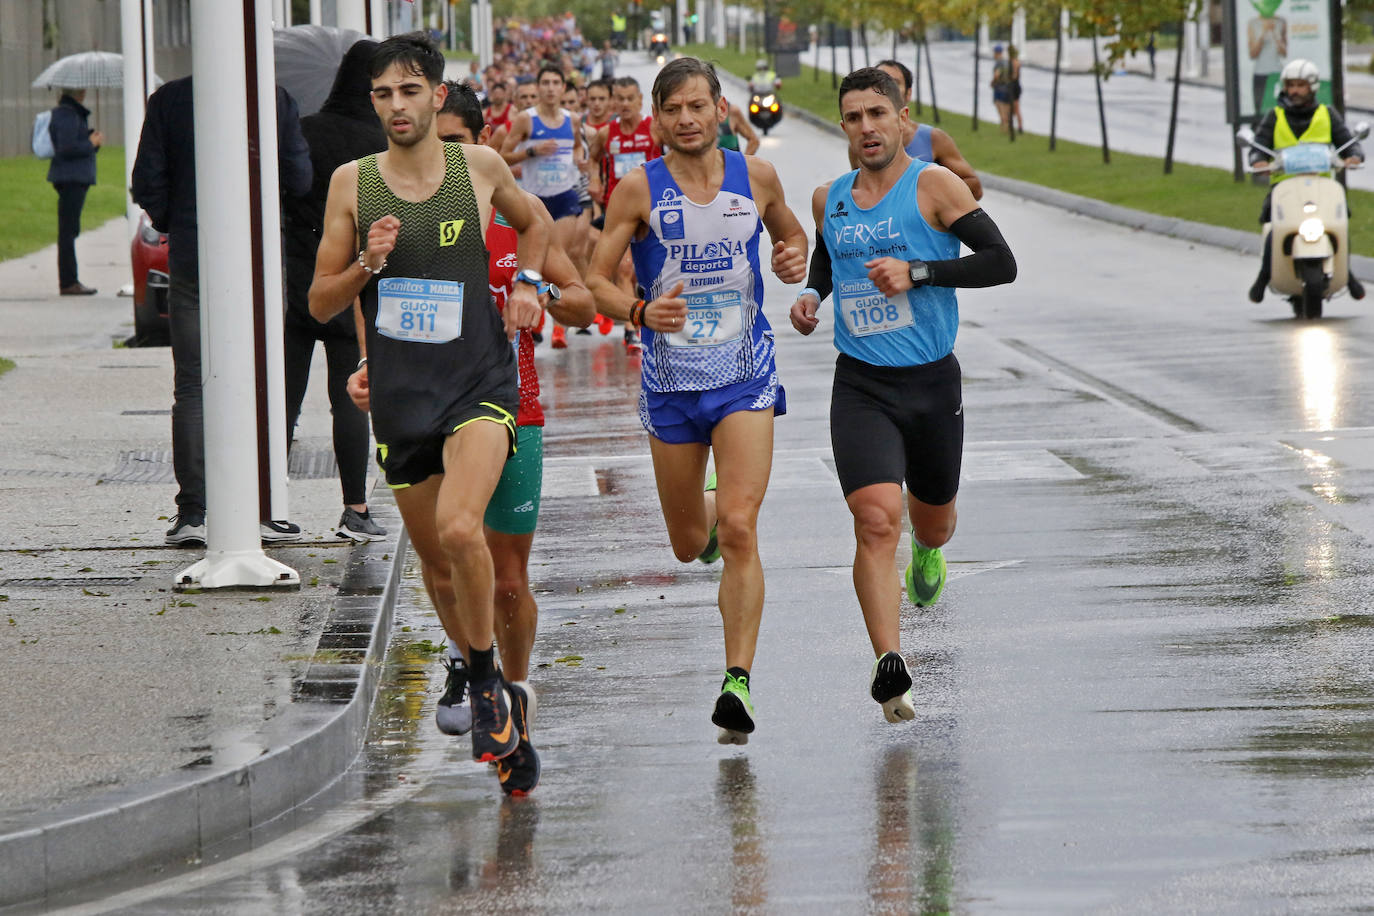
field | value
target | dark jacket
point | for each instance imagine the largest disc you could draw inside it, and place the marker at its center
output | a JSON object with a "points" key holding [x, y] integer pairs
{"points": [[164, 178], [344, 129], [73, 157], [1298, 120]]}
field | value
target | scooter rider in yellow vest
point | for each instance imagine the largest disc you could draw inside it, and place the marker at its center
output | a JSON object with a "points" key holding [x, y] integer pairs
{"points": [[1298, 118]]}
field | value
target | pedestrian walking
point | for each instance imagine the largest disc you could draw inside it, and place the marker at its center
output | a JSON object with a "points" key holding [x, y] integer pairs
{"points": [[892, 231], [442, 373], [692, 220], [345, 128], [164, 185], [1001, 87], [71, 173]]}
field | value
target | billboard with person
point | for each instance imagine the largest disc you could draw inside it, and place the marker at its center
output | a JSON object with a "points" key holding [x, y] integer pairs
{"points": [[1263, 35]]}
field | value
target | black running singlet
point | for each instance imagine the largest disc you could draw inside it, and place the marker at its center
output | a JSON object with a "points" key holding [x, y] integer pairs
{"points": [[436, 344]]}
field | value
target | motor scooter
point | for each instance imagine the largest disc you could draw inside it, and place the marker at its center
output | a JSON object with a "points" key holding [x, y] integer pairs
{"points": [[1308, 230], [658, 48], [765, 111]]}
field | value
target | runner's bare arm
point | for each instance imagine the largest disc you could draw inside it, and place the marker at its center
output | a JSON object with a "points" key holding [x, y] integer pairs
{"points": [[575, 308], [579, 157], [803, 311], [519, 130], [742, 127], [788, 236], [625, 213], [339, 278], [595, 154], [946, 153], [943, 197], [357, 382], [522, 305]]}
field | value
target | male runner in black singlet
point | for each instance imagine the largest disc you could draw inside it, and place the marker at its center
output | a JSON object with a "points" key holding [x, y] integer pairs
{"points": [[403, 231]]}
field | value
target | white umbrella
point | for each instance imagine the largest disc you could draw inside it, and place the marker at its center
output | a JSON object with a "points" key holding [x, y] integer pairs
{"points": [[87, 70], [307, 57]]}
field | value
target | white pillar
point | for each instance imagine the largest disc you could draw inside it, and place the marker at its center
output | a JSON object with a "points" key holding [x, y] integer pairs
{"points": [[351, 15], [488, 33], [718, 23], [227, 252], [317, 12], [1204, 37], [136, 45], [1018, 30], [983, 40], [1065, 35], [281, 13], [381, 25], [681, 37], [740, 12]]}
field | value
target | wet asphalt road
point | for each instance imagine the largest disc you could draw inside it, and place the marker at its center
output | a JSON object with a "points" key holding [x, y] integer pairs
{"points": [[1146, 689]]}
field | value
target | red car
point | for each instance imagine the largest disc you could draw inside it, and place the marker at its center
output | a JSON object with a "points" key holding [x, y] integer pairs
{"points": [[148, 252]]}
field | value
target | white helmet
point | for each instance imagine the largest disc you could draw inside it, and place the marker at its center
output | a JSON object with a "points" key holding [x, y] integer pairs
{"points": [[1300, 69]]}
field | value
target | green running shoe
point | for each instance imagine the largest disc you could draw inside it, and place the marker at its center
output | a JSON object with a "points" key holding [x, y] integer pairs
{"points": [[712, 552], [734, 713], [925, 575]]}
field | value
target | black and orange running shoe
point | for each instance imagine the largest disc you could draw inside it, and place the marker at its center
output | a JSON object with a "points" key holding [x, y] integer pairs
{"points": [[493, 727], [519, 770]]}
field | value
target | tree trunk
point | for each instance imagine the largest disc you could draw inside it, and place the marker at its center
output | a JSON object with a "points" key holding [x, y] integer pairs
{"points": [[974, 125], [1101, 107], [916, 74], [863, 38], [1054, 92], [834, 75], [1173, 108], [930, 73]]}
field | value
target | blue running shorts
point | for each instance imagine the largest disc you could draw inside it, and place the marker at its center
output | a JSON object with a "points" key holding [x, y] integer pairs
{"points": [[678, 417]]}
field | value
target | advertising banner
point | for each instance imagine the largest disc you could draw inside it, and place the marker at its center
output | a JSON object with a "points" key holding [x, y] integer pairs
{"points": [[1262, 36]]}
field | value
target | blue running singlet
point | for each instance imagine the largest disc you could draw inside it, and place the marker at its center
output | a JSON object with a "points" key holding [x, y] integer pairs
{"points": [[922, 145], [914, 328], [713, 249], [547, 176]]}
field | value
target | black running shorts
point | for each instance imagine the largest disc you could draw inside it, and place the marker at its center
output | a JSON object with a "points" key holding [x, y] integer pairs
{"points": [[408, 463], [898, 424]]}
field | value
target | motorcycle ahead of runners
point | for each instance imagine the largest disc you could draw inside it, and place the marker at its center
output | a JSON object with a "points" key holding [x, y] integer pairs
{"points": [[1309, 223], [765, 111], [658, 49]]}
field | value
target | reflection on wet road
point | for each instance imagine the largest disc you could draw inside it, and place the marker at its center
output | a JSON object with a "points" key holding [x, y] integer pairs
{"points": [[1148, 687]]}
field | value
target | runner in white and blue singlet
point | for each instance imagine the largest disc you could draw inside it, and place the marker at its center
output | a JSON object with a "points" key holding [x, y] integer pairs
{"points": [[541, 142], [692, 220], [890, 234], [713, 250]]}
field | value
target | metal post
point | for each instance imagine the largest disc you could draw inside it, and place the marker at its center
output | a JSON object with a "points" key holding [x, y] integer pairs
{"points": [[1173, 111], [135, 41], [225, 36], [1058, 65], [351, 14], [1101, 107]]}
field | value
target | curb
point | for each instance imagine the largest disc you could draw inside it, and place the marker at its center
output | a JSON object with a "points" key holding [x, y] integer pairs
{"points": [[1173, 227], [198, 816]]}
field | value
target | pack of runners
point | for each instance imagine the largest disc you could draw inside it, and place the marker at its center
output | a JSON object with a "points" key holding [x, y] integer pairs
{"points": [[454, 259]]}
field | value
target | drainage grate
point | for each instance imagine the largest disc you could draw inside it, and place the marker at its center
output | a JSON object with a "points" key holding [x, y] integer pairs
{"points": [[145, 413], [71, 583], [155, 466]]}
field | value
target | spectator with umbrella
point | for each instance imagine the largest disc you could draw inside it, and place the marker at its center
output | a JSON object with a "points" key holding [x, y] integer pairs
{"points": [[71, 173]]}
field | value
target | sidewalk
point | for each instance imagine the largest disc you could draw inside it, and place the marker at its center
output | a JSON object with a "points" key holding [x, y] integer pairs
{"points": [[142, 726]]}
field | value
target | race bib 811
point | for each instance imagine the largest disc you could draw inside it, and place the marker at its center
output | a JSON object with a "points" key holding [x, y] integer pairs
{"points": [[424, 311]]}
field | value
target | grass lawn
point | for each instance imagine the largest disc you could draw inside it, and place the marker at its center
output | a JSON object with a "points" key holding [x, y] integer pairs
{"points": [[1192, 192], [31, 203], [5, 365]]}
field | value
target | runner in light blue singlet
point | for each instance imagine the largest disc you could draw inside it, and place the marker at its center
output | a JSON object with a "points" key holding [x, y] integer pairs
{"points": [[915, 327]]}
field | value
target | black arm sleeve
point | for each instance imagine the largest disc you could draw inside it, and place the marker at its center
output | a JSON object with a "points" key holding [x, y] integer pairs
{"points": [[819, 278], [991, 262]]}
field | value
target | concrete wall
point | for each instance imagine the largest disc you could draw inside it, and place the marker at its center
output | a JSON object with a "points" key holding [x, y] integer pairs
{"points": [[34, 33]]}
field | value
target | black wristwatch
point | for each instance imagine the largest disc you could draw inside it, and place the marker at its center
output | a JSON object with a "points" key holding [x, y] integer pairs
{"points": [[555, 294], [919, 271]]}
